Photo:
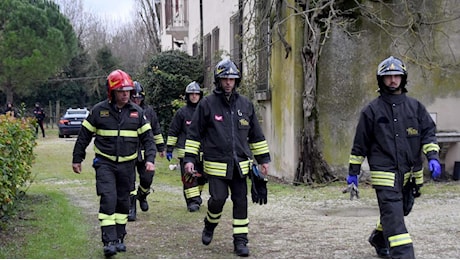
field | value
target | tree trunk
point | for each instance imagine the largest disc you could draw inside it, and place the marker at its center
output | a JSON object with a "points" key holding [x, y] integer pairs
{"points": [[312, 167]]}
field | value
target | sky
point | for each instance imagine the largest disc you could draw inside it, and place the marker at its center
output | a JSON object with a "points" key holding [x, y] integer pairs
{"points": [[110, 9]]}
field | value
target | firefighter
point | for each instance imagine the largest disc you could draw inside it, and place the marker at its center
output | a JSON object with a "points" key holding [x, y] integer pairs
{"points": [[176, 139], [226, 128], [39, 114], [393, 132], [145, 177], [119, 127]]}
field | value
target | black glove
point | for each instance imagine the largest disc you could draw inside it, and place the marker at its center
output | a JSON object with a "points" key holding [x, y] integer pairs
{"points": [[258, 186], [410, 191]]}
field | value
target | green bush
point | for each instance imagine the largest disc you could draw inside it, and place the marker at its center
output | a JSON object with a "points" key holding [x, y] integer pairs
{"points": [[17, 140]]}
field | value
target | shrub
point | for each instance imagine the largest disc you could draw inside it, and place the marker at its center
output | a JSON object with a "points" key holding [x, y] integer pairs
{"points": [[17, 140]]}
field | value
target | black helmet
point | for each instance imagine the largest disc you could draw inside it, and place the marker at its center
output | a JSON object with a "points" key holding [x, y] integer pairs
{"points": [[226, 69], [392, 66], [138, 91]]}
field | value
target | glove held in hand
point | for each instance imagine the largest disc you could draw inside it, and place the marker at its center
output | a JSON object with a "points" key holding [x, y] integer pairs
{"points": [[258, 186]]}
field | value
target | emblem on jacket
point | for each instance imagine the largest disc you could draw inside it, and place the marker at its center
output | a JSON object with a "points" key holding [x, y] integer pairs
{"points": [[244, 122], [134, 114], [219, 118], [104, 113], [411, 131]]}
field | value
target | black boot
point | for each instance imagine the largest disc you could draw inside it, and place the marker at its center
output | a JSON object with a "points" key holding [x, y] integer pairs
{"points": [[240, 244], [208, 232], [377, 240], [192, 207], [120, 245], [132, 208], [142, 197], [110, 249]]}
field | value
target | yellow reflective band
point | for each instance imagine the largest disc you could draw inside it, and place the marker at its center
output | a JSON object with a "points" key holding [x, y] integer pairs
{"points": [[418, 177], [192, 146], [382, 178], [88, 126], [106, 220], [113, 133], [114, 158], [192, 192], [241, 222], [244, 165], [379, 226], [213, 218], [145, 128], [171, 140], [215, 168], [240, 230], [399, 240], [355, 159], [121, 218], [259, 147], [159, 139], [133, 192], [180, 153], [430, 147]]}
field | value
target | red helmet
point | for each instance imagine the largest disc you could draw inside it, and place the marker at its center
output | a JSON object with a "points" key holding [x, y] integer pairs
{"points": [[119, 80]]}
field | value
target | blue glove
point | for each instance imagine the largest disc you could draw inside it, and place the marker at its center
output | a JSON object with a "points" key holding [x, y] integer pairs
{"points": [[435, 168], [352, 179], [169, 156]]}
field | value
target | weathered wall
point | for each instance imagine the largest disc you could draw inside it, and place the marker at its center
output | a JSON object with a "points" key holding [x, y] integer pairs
{"points": [[283, 116]]}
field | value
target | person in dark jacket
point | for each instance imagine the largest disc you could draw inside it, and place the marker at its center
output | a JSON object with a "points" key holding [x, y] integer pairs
{"points": [[39, 114], [393, 132], [225, 127], [145, 177], [11, 110], [119, 127], [177, 132]]}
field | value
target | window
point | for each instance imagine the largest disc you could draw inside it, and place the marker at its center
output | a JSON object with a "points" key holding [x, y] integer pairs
{"points": [[215, 46]]}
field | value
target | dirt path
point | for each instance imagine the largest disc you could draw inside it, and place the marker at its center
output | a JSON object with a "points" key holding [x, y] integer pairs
{"points": [[287, 227]]}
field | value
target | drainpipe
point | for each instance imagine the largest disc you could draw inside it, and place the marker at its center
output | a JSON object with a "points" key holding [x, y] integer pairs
{"points": [[240, 33]]}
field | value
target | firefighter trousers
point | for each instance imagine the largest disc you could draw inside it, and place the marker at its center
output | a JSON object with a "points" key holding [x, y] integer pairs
{"points": [[392, 221], [113, 183], [145, 177], [219, 191]]}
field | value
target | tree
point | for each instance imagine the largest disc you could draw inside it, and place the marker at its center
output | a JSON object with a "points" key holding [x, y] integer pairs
{"points": [[37, 41], [164, 80], [147, 12]]}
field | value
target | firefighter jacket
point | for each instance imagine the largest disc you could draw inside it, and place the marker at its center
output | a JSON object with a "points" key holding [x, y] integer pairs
{"points": [[117, 133], [393, 132], [152, 117], [39, 113], [228, 133], [178, 129]]}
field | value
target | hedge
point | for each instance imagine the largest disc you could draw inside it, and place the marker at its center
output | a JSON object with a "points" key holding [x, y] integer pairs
{"points": [[17, 141]]}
